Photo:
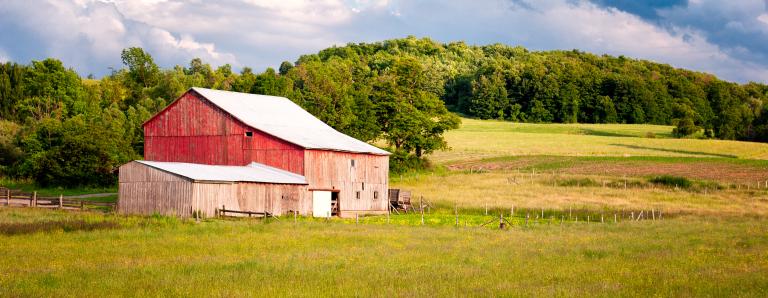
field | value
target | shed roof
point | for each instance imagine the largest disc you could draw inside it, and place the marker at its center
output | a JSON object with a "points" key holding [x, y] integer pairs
{"points": [[254, 172], [284, 119]]}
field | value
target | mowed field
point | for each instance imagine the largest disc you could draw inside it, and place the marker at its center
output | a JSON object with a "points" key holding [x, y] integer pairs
{"points": [[574, 192]]}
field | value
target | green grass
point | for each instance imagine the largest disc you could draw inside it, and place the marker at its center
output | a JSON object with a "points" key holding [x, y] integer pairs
{"points": [[712, 242], [687, 256], [30, 186], [483, 139]]}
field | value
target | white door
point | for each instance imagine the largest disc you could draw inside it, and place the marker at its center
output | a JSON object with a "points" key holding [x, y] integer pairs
{"points": [[321, 203]]}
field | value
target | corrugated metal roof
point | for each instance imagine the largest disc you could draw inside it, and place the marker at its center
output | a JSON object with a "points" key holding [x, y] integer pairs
{"points": [[282, 118], [254, 172]]}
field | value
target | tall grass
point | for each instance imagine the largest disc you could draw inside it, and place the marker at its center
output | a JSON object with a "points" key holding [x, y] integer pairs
{"points": [[677, 257]]}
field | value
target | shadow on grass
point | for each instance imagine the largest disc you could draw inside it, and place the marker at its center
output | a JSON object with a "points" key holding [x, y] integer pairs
{"points": [[49, 226], [677, 151], [600, 133]]}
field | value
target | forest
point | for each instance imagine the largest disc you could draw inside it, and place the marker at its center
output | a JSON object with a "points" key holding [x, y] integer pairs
{"points": [[58, 128]]}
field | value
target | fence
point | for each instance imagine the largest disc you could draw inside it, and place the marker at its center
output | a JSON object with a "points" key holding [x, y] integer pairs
{"points": [[17, 198]]}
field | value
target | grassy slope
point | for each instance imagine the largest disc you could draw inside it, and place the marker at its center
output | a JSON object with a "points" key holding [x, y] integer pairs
{"points": [[483, 139], [686, 256]]}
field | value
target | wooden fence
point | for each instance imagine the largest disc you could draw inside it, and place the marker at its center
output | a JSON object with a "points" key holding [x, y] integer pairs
{"points": [[223, 212], [17, 198]]}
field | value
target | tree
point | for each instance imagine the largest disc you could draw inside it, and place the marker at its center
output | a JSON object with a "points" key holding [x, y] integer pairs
{"points": [[142, 69], [489, 97], [285, 67], [412, 119]]}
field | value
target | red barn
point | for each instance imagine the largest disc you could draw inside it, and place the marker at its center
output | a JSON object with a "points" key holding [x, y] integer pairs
{"points": [[344, 175]]}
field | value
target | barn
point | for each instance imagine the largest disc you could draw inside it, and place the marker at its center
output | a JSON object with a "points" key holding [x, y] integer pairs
{"points": [[211, 127]]}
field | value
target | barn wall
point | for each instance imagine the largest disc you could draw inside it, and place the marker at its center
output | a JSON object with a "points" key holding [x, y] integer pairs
{"points": [[146, 190], [193, 130], [334, 170], [277, 199]]}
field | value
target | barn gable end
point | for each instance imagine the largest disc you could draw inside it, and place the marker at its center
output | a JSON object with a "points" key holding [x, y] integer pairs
{"points": [[191, 129]]}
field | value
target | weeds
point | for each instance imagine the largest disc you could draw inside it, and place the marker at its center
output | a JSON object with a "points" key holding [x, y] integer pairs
{"points": [[52, 226], [672, 181]]}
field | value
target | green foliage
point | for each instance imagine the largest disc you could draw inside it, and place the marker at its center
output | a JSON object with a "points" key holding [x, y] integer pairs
{"points": [[401, 162], [685, 127], [672, 181]]}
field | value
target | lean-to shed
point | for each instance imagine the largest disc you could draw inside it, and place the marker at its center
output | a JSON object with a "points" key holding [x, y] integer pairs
{"points": [[180, 189], [344, 176]]}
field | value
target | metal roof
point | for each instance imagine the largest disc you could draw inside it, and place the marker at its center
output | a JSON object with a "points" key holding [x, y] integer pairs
{"points": [[254, 172], [282, 118]]}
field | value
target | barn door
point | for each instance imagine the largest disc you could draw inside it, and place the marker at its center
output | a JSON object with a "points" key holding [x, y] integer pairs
{"points": [[321, 203]]}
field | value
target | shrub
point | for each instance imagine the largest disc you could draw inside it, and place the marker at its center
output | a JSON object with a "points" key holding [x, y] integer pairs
{"points": [[578, 182], [650, 135], [668, 180], [401, 162]]}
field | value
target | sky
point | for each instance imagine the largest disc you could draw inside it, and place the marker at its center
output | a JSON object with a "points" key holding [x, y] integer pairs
{"points": [[728, 38]]}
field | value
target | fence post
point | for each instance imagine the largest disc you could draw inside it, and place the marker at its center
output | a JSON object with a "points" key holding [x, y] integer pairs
{"points": [[357, 218], [8, 197], [456, 211], [422, 215], [615, 220], [34, 199], [61, 201], [486, 208], [82, 205], [295, 216]]}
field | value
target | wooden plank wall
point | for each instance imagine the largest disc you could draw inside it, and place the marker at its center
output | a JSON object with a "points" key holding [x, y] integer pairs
{"points": [[274, 198], [194, 130], [334, 170], [145, 190]]}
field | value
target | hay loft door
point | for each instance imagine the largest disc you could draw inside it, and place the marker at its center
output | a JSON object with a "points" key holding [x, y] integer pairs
{"points": [[321, 203]]}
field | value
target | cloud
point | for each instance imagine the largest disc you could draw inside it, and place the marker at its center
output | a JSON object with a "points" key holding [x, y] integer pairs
{"points": [[4, 57], [737, 28], [89, 34]]}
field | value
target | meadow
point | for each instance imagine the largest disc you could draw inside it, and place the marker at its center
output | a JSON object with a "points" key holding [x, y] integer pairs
{"points": [[158, 256], [712, 240]]}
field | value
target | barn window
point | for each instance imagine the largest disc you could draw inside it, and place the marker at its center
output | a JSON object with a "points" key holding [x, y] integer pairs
{"points": [[363, 185], [376, 195], [357, 195], [352, 162], [248, 133]]}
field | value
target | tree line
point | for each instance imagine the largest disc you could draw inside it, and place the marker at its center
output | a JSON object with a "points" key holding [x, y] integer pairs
{"points": [[62, 129]]}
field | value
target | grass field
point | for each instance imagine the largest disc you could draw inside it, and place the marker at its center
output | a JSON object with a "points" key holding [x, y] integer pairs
{"points": [[164, 257], [484, 139], [713, 240]]}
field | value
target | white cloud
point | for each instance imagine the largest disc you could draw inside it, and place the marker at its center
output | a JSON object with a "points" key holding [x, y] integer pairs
{"points": [[259, 33], [4, 57], [91, 34]]}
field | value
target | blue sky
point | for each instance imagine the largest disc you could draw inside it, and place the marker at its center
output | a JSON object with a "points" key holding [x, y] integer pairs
{"points": [[726, 38]]}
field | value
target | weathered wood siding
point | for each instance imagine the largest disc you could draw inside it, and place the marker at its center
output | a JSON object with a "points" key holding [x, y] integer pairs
{"points": [[274, 198], [334, 170], [194, 130], [146, 190]]}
